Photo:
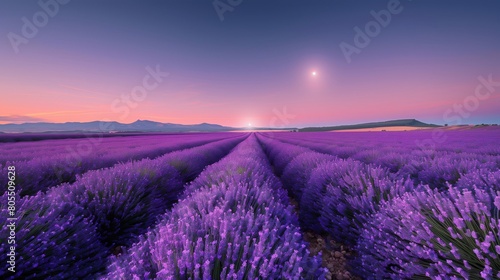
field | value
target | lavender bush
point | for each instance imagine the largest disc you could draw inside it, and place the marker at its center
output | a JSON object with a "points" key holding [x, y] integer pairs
{"points": [[440, 171], [428, 234], [123, 201], [358, 194], [394, 161], [245, 172], [245, 164], [191, 162], [281, 155], [483, 179], [54, 240], [325, 174], [298, 171]]}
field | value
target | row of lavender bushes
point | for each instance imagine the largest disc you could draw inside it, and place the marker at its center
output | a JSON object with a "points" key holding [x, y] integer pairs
{"points": [[69, 231], [478, 142], [398, 229], [434, 167], [47, 169], [101, 145], [234, 222]]}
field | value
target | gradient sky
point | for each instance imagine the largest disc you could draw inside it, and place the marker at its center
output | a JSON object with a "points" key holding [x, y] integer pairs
{"points": [[254, 66]]}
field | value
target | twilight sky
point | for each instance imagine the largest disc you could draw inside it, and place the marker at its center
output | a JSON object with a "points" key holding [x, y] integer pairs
{"points": [[93, 59]]}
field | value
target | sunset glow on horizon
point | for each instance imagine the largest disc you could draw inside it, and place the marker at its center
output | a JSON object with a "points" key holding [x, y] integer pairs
{"points": [[265, 65]]}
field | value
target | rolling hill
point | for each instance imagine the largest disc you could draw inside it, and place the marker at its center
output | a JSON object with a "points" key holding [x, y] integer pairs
{"points": [[393, 123]]}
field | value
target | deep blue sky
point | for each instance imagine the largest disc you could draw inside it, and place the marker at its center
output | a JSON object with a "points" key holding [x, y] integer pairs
{"points": [[257, 61]]}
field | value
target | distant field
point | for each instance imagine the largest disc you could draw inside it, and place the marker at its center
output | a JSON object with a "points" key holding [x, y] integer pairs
{"points": [[390, 205]]}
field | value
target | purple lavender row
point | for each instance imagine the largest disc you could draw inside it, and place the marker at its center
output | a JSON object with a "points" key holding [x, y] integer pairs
{"points": [[335, 196], [370, 145], [234, 222], [53, 169], [476, 141], [436, 170], [28, 150], [33, 137], [70, 230], [99, 145], [479, 144], [54, 240]]}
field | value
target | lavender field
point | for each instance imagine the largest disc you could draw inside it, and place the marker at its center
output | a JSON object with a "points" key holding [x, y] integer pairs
{"points": [[276, 205]]}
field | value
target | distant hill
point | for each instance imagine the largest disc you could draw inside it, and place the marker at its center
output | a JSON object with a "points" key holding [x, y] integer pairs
{"points": [[109, 127], [145, 126], [405, 122]]}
